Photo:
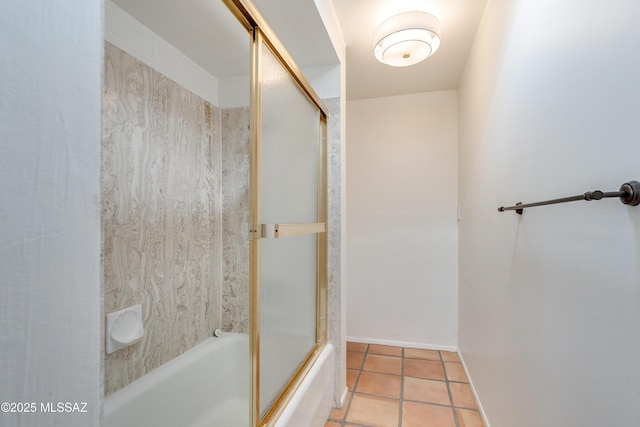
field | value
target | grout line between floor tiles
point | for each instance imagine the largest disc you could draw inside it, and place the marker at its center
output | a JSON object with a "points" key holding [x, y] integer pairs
{"points": [[362, 393], [446, 377], [401, 399], [355, 384], [423, 402]]}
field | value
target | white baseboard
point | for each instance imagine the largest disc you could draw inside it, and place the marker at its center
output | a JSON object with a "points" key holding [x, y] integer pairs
{"points": [[404, 344], [475, 393], [343, 399]]}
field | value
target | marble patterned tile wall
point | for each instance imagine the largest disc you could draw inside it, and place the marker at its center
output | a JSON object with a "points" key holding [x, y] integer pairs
{"points": [[334, 172], [235, 219], [161, 216]]}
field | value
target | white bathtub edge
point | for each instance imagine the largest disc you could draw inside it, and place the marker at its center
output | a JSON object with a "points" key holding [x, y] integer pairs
{"points": [[151, 399], [312, 403]]}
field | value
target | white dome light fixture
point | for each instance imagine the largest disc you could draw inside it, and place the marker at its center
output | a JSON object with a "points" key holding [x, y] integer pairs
{"points": [[406, 39]]}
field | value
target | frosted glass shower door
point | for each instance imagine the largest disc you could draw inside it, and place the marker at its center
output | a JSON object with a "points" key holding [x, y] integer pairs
{"points": [[290, 136]]}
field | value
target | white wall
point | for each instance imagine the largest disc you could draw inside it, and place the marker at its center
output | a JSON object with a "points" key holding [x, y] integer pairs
{"points": [[550, 301], [50, 99], [403, 236], [338, 294]]}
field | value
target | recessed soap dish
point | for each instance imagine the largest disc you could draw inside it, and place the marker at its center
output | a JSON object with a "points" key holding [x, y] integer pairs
{"points": [[124, 328]]}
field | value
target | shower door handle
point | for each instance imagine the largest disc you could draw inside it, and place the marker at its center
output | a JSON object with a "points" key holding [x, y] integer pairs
{"points": [[289, 230]]}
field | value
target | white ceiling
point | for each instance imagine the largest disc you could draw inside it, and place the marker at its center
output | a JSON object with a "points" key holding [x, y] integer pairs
{"points": [[205, 31], [299, 26], [368, 78]]}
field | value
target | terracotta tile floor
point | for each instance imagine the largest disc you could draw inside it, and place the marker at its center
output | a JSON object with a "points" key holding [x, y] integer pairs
{"points": [[405, 387]]}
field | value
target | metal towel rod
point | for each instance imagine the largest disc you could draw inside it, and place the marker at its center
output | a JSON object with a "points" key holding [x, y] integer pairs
{"points": [[629, 194]]}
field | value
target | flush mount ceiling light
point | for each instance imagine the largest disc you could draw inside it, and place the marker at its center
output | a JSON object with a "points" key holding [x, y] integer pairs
{"points": [[407, 39]]}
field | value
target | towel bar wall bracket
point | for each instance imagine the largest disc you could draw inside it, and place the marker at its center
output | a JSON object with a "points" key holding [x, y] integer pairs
{"points": [[629, 194]]}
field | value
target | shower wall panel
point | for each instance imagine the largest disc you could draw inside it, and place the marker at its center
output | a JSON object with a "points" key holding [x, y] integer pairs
{"points": [[236, 151], [161, 213], [334, 172]]}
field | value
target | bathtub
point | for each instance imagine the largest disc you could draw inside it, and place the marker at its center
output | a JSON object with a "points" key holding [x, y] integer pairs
{"points": [[208, 386]]}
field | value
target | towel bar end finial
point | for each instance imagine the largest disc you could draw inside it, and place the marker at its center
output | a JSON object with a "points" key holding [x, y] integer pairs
{"points": [[632, 193]]}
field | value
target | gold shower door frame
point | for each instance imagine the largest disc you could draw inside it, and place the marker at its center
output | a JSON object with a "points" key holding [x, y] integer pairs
{"points": [[263, 35]]}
